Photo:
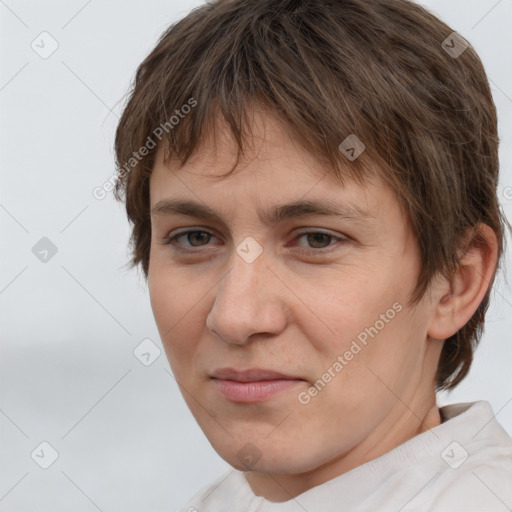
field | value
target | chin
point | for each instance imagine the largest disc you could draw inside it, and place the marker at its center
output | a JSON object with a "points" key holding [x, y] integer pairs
{"points": [[279, 455]]}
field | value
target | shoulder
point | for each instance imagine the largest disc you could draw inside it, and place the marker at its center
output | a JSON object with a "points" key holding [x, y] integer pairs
{"points": [[476, 473], [476, 487]]}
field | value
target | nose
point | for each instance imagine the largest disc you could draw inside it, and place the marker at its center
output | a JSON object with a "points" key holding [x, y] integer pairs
{"points": [[249, 302]]}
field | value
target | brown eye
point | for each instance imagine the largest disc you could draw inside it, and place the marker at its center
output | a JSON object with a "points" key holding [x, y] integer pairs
{"points": [[200, 236], [317, 242], [193, 238]]}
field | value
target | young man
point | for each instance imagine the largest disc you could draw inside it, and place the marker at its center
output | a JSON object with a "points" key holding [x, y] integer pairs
{"points": [[312, 187]]}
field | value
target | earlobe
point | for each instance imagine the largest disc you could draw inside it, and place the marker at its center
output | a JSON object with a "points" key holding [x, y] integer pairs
{"points": [[468, 285]]}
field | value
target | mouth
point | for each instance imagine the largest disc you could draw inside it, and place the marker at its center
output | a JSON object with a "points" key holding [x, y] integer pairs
{"points": [[253, 385]]}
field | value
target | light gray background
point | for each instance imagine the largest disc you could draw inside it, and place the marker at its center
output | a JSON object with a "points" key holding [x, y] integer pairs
{"points": [[125, 438]]}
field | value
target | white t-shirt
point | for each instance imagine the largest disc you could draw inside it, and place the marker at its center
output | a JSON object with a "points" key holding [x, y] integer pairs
{"points": [[462, 465]]}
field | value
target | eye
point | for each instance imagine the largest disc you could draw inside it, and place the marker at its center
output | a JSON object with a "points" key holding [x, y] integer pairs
{"points": [[318, 242], [192, 236]]}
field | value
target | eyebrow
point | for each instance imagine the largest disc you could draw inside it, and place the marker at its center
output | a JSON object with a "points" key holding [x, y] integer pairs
{"points": [[276, 214]]}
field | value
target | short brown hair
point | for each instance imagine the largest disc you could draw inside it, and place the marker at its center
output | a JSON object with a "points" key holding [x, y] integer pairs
{"points": [[329, 69]]}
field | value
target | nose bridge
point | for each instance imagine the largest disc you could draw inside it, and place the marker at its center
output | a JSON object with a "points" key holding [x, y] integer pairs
{"points": [[240, 290], [242, 305]]}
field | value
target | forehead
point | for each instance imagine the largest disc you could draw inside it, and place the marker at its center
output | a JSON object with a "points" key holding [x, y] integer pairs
{"points": [[267, 143], [273, 171]]}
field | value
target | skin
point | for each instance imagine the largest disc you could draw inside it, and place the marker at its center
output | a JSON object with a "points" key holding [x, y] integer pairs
{"points": [[296, 313]]}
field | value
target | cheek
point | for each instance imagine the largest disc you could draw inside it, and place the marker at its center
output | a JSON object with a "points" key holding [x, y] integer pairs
{"points": [[370, 325], [175, 308], [349, 307], [173, 293]]}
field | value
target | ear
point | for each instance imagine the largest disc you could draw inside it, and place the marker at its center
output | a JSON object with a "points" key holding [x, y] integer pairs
{"points": [[459, 299]]}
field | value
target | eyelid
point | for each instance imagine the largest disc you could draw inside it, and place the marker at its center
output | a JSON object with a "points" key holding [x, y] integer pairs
{"points": [[192, 229], [300, 231], [312, 229]]}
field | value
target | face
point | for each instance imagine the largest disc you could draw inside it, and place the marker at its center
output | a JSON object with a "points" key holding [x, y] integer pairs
{"points": [[320, 298]]}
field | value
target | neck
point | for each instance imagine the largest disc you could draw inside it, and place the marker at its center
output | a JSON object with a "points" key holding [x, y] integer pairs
{"points": [[394, 432]]}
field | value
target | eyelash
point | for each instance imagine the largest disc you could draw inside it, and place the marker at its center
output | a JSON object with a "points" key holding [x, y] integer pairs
{"points": [[308, 252]]}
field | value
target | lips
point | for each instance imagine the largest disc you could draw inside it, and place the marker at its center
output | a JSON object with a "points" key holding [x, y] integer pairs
{"points": [[250, 375], [253, 385]]}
